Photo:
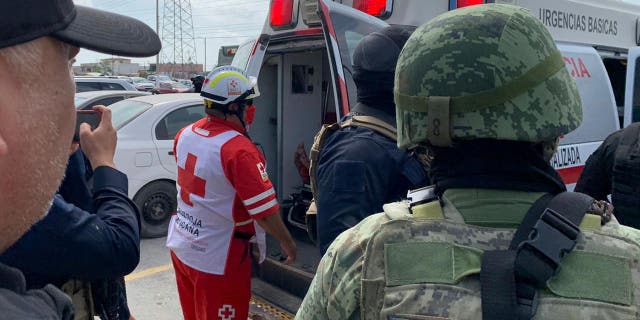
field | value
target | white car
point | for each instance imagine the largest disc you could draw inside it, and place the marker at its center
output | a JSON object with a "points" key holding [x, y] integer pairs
{"points": [[142, 84], [102, 83], [146, 127]]}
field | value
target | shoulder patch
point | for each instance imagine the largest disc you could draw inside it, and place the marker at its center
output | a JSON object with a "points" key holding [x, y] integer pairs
{"points": [[263, 171]]}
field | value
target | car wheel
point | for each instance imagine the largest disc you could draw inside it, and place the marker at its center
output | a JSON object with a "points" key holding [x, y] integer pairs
{"points": [[157, 202]]}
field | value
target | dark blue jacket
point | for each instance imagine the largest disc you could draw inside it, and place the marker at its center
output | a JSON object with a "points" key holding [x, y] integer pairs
{"points": [[359, 170], [87, 234]]}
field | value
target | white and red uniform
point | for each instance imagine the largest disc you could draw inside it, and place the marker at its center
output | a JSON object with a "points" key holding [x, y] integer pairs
{"points": [[222, 188]]}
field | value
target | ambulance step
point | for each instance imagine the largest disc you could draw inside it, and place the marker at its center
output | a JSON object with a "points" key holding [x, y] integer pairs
{"points": [[292, 279], [269, 302]]}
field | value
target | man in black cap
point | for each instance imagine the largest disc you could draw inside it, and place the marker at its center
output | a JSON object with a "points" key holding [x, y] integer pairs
{"points": [[38, 40], [360, 169]]}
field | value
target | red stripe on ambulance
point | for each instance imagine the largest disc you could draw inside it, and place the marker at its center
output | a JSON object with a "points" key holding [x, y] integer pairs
{"points": [[570, 175]]}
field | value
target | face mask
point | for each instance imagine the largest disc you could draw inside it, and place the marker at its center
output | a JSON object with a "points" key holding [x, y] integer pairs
{"points": [[250, 113]]}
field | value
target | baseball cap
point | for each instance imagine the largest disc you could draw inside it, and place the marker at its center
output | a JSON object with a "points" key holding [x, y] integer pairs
{"points": [[25, 20]]}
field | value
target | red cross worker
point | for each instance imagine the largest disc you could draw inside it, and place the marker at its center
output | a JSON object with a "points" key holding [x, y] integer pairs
{"points": [[225, 202]]}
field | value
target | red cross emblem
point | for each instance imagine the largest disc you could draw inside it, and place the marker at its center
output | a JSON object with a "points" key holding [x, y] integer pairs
{"points": [[189, 182], [227, 312]]}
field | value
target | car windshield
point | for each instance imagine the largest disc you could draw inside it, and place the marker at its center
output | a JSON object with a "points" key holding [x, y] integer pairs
{"points": [[78, 101], [136, 80], [179, 85], [125, 111]]}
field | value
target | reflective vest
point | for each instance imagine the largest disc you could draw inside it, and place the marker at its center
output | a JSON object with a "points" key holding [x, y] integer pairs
{"points": [[210, 208]]}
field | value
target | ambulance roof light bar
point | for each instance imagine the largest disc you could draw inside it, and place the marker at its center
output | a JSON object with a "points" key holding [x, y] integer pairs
{"points": [[377, 8], [455, 4], [283, 14]]}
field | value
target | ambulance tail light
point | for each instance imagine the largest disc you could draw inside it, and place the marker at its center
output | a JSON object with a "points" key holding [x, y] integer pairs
{"points": [[376, 8], [282, 14], [455, 4]]}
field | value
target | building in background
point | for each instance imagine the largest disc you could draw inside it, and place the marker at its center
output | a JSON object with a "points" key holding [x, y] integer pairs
{"points": [[110, 66]]}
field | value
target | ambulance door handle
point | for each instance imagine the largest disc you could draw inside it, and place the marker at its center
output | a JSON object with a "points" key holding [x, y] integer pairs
{"points": [[171, 153]]}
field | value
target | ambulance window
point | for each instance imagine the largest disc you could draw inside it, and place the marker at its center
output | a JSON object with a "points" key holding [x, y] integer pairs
{"points": [[242, 55], [301, 79], [617, 70], [350, 29], [635, 103]]}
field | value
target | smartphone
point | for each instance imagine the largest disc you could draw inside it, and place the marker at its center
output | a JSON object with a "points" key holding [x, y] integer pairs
{"points": [[91, 117]]}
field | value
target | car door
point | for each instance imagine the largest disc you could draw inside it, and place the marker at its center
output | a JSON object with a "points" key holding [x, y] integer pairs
{"points": [[168, 126], [343, 28]]}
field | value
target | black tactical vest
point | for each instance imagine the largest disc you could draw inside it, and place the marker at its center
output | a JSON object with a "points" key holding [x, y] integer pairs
{"points": [[625, 193]]}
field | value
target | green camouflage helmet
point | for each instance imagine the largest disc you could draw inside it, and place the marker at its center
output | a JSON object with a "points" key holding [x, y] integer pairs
{"points": [[489, 71]]}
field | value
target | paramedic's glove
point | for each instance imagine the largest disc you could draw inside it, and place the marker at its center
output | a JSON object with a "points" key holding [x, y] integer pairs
{"points": [[99, 145], [289, 248]]}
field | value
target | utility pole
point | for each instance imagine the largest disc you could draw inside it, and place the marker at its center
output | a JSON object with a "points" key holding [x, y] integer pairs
{"points": [[205, 54], [158, 32]]}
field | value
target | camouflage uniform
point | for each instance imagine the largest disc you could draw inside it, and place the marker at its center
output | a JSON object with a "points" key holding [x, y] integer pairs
{"points": [[482, 72], [335, 292]]}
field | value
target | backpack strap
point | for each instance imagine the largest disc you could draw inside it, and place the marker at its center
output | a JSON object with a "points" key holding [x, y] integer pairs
{"points": [[510, 278], [374, 124], [314, 153], [368, 122]]}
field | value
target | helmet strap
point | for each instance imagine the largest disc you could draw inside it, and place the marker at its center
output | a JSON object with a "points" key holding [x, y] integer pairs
{"points": [[439, 117]]}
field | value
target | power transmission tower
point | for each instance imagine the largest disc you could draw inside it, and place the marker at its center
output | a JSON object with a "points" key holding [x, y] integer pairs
{"points": [[178, 43]]}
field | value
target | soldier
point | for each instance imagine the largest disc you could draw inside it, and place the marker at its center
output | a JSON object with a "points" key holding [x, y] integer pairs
{"points": [[485, 89]]}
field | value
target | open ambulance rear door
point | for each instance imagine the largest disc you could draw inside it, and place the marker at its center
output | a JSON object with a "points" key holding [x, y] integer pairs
{"points": [[343, 28], [251, 59]]}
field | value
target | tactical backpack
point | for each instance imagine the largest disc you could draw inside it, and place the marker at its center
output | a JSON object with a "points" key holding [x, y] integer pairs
{"points": [[423, 266], [369, 122]]}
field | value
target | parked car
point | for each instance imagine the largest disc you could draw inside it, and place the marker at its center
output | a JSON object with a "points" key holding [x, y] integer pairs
{"points": [[86, 100], [146, 127], [158, 77], [187, 83], [102, 83], [170, 87], [143, 84]]}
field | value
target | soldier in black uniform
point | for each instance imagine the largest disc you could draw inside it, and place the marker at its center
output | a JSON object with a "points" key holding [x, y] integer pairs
{"points": [[614, 168]]}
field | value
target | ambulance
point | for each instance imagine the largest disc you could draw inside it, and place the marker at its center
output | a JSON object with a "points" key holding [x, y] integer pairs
{"points": [[302, 60]]}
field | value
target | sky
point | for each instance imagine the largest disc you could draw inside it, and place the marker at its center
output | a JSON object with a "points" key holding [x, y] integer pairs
{"points": [[222, 22]]}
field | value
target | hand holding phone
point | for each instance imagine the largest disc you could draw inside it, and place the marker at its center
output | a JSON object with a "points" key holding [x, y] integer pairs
{"points": [[99, 143], [91, 117]]}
